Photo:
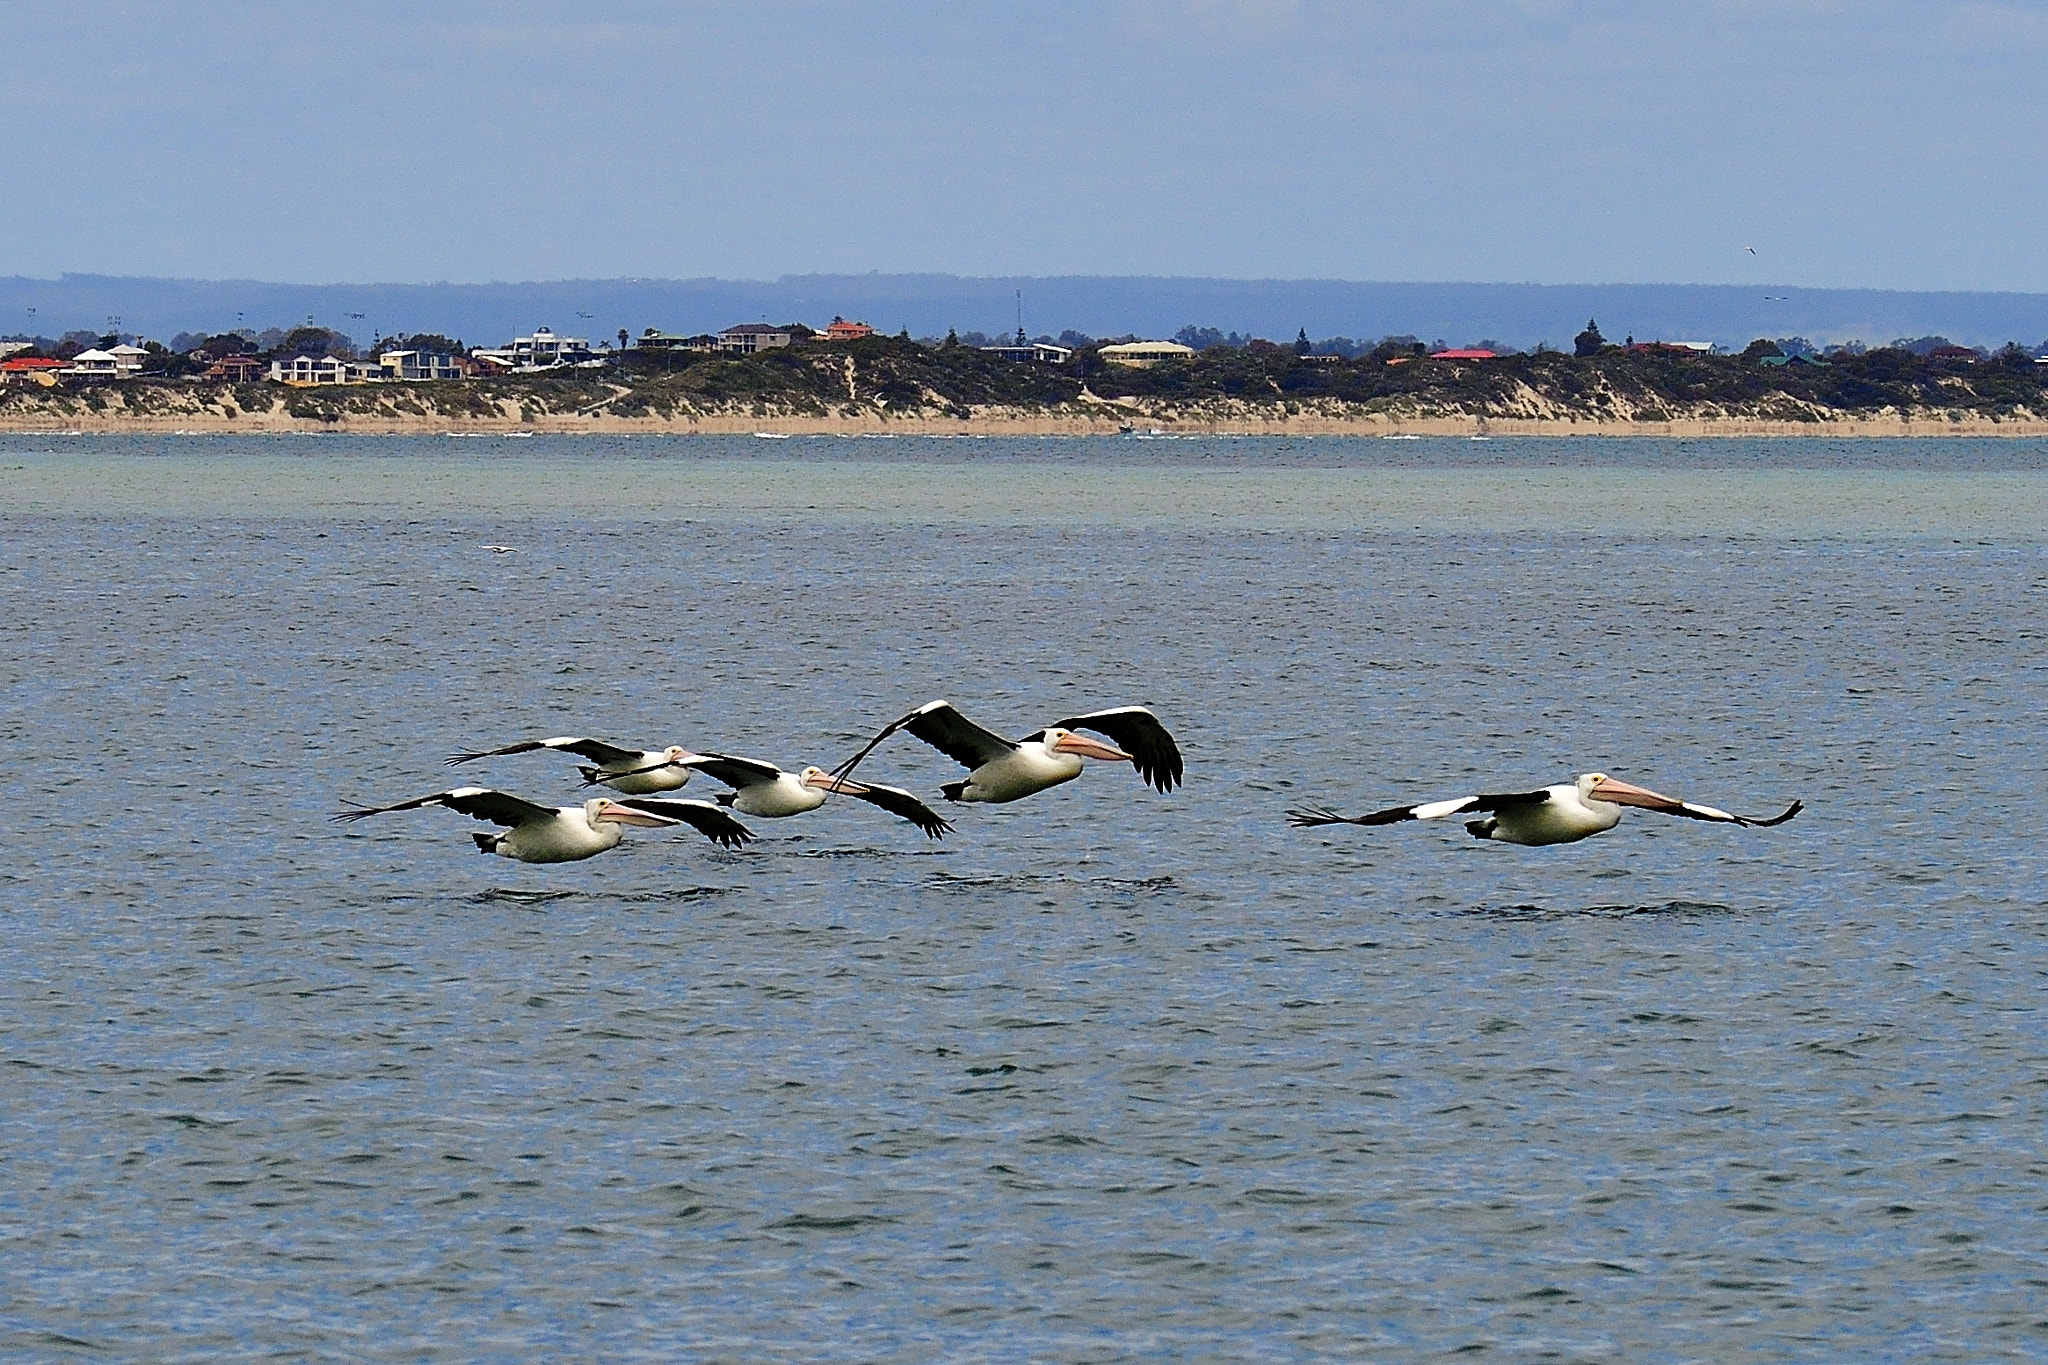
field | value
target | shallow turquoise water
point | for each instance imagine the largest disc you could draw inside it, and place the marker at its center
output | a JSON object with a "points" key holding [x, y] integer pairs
{"points": [[1108, 1075]]}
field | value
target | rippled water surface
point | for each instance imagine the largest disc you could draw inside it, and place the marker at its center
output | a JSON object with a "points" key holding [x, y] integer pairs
{"points": [[1107, 1075]]}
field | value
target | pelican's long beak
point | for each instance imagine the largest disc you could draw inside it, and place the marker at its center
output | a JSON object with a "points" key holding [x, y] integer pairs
{"points": [[826, 782], [1071, 743], [1627, 794], [631, 815]]}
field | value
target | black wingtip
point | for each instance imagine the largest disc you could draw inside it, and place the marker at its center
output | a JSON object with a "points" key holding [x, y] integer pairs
{"points": [[1790, 811], [1315, 817], [354, 813], [454, 759]]}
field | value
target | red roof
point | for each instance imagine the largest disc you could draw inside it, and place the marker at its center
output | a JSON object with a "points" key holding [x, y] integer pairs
{"points": [[21, 364]]}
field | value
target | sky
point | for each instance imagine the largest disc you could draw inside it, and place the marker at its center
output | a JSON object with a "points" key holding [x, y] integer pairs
{"points": [[1868, 144]]}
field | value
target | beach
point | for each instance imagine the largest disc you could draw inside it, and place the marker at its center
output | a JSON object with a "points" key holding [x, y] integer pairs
{"points": [[202, 416]]}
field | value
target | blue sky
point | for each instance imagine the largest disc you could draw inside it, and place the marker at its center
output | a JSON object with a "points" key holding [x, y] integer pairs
{"points": [[1852, 144]]}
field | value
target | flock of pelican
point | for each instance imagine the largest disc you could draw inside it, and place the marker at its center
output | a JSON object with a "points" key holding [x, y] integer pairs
{"points": [[998, 770]]}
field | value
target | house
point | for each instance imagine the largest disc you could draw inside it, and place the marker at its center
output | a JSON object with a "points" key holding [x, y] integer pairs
{"points": [[122, 362], [1466, 354], [304, 371], [1039, 352], [235, 369], [1776, 362], [8, 348], [1145, 352], [1966, 354], [651, 340], [419, 366], [842, 330], [749, 337], [31, 369], [543, 350]]}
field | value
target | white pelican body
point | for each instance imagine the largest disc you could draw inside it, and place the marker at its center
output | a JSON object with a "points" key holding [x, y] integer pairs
{"points": [[1031, 767], [767, 791], [630, 772], [1002, 770], [1562, 814], [565, 834]]}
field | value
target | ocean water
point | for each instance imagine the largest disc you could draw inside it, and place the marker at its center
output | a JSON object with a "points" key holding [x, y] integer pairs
{"points": [[1107, 1075]]}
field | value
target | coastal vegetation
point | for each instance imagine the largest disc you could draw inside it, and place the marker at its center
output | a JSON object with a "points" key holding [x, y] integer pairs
{"points": [[881, 380]]}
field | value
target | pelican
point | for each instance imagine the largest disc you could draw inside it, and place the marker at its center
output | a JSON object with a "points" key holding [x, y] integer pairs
{"points": [[630, 772], [767, 791], [1010, 770], [1562, 814], [566, 834]]}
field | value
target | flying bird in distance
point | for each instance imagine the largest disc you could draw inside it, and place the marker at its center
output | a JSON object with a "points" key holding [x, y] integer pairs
{"points": [[630, 772], [1010, 769], [565, 834], [1750, 249], [767, 791], [1562, 814]]}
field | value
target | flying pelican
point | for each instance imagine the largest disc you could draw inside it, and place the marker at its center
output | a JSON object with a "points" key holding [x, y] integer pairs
{"points": [[1561, 814], [632, 772], [767, 791], [566, 834], [1010, 770]]}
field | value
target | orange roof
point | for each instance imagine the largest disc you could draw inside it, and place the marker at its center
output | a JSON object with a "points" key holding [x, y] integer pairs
{"points": [[31, 362]]}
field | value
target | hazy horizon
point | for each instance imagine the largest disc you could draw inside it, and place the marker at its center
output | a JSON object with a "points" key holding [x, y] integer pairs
{"points": [[1879, 146], [1518, 315]]}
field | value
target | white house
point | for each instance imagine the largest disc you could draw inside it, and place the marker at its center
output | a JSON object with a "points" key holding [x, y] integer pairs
{"points": [[1040, 352], [543, 350], [750, 337], [422, 365], [322, 369], [1146, 352], [122, 362]]}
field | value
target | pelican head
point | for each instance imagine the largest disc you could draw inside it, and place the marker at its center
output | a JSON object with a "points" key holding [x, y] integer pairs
{"points": [[820, 780], [1060, 741], [1601, 787], [606, 809]]}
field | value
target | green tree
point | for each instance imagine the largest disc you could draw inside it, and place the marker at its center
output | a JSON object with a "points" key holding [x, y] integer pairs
{"points": [[315, 341]]}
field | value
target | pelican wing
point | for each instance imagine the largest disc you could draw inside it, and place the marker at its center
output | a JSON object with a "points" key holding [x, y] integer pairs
{"points": [[1691, 811], [1428, 810], [708, 820], [478, 803], [939, 725], [1138, 733], [734, 772], [903, 805], [596, 750]]}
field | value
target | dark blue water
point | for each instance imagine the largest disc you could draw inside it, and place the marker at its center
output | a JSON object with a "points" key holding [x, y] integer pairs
{"points": [[1107, 1075]]}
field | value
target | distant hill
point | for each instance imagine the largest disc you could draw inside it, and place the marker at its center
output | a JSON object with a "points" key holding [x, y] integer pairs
{"points": [[1516, 314]]}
